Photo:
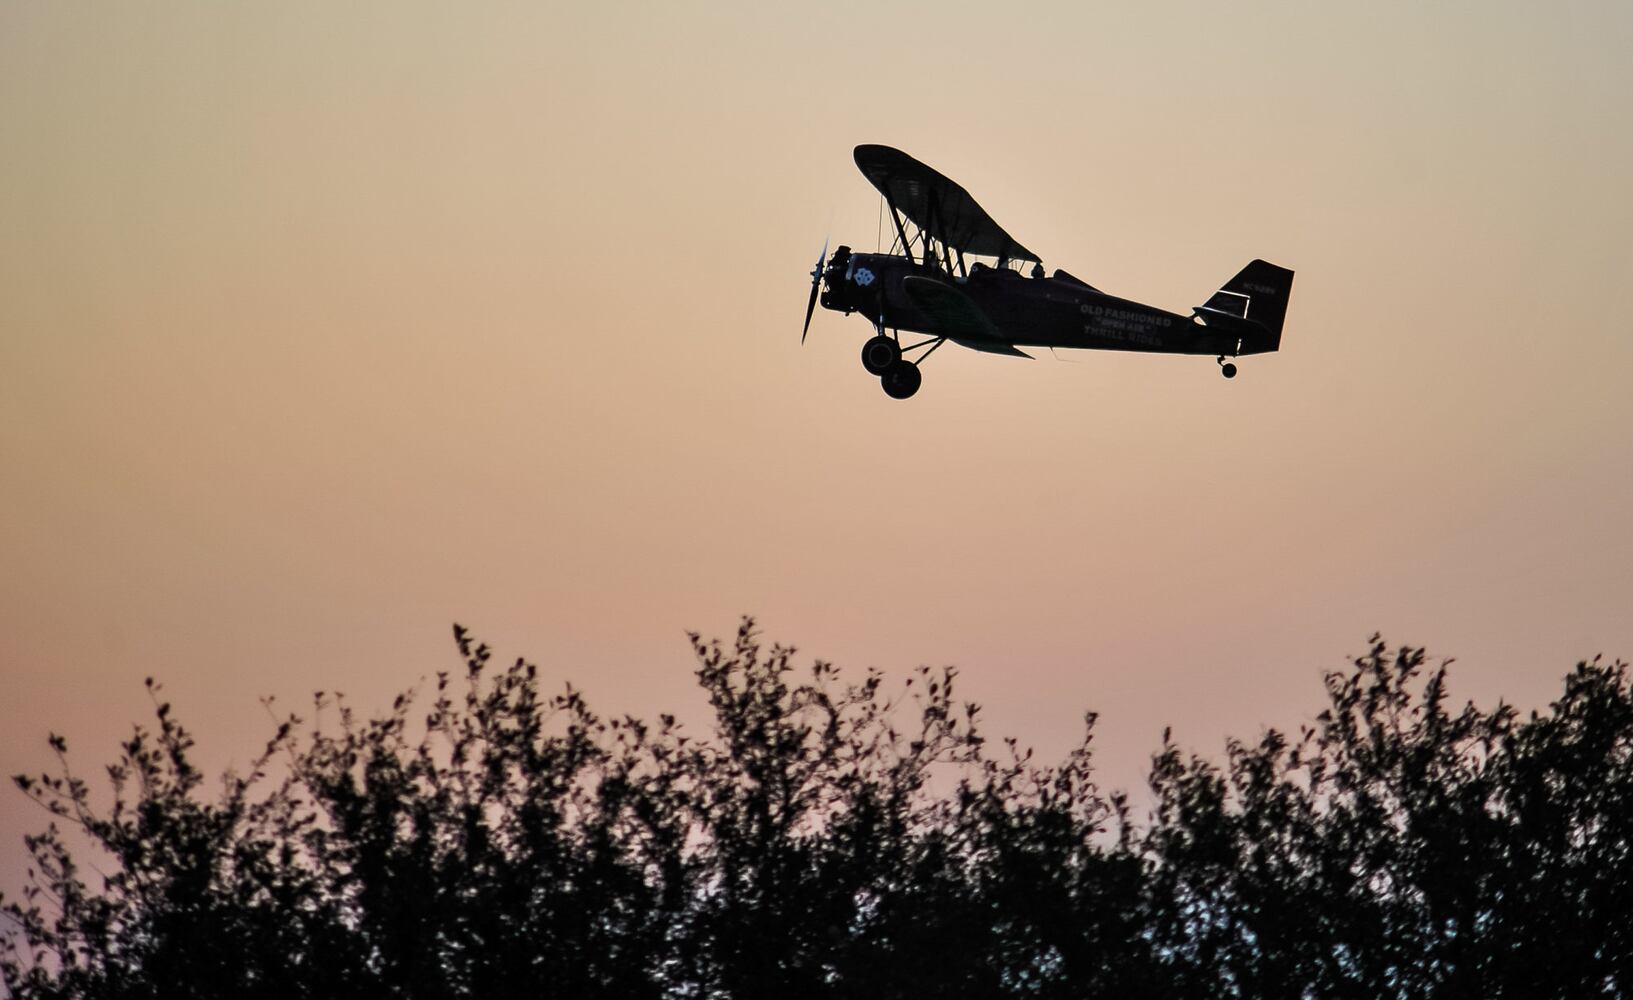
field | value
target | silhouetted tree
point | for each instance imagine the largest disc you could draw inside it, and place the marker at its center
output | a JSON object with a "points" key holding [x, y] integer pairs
{"points": [[831, 839], [1398, 849]]}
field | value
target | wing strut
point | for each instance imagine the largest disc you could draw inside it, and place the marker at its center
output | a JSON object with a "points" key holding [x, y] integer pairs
{"points": [[942, 255], [946, 259], [901, 231]]}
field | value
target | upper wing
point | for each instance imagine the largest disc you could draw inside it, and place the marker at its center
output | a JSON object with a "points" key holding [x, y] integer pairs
{"points": [[937, 205], [957, 318]]}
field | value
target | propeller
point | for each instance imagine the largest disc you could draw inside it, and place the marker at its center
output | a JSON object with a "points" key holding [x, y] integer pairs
{"points": [[816, 286]]}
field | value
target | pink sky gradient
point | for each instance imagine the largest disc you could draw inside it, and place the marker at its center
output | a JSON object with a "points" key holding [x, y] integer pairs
{"points": [[325, 326]]}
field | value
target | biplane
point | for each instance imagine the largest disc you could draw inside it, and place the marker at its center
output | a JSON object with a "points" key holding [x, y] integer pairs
{"points": [[953, 274]]}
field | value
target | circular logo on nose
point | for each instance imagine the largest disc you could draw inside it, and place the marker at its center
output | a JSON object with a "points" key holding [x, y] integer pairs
{"points": [[863, 277]]}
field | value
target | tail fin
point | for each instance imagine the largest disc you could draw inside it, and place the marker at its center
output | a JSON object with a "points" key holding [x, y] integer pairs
{"points": [[1258, 294]]}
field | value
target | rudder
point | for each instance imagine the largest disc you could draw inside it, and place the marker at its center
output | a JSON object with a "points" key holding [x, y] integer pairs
{"points": [[1258, 294]]}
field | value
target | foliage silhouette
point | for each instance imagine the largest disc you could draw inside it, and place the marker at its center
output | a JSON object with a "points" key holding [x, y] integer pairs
{"points": [[832, 839]]}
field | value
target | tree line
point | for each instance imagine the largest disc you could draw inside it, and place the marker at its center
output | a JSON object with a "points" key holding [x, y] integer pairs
{"points": [[841, 837]]}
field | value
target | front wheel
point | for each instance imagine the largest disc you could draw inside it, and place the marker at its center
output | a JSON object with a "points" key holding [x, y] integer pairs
{"points": [[901, 379], [1228, 370], [879, 353]]}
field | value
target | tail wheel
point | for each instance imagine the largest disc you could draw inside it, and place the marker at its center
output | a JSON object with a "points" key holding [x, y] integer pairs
{"points": [[879, 353], [901, 379], [1228, 370]]}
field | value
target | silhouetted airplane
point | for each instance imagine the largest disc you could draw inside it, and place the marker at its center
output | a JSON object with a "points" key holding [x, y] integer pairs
{"points": [[923, 286]]}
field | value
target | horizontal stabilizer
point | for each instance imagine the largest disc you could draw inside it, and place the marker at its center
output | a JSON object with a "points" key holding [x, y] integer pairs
{"points": [[1226, 304]]}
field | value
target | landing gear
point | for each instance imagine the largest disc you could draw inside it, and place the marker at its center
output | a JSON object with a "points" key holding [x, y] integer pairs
{"points": [[886, 357], [901, 379], [1226, 368], [879, 354]]}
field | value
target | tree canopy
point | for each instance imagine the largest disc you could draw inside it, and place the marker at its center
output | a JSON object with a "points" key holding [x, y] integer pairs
{"points": [[836, 836]]}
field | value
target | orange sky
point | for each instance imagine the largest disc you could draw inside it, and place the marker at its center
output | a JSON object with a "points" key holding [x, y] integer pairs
{"points": [[324, 326]]}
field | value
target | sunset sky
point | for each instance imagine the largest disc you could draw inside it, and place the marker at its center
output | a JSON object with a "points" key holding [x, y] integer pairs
{"points": [[324, 326]]}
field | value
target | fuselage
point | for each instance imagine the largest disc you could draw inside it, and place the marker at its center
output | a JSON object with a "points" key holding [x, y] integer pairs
{"points": [[1057, 311]]}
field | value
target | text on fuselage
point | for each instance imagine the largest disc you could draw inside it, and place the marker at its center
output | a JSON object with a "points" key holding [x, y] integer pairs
{"points": [[1126, 325]]}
